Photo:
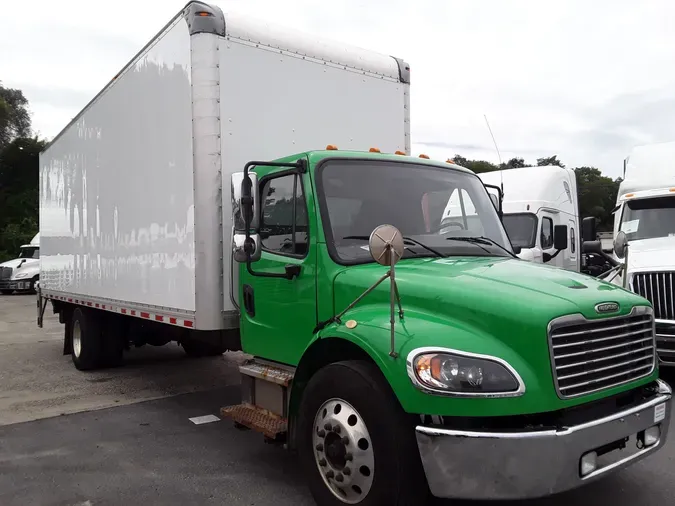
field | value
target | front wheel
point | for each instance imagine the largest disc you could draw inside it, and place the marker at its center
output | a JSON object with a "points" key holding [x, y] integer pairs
{"points": [[356, 444]]}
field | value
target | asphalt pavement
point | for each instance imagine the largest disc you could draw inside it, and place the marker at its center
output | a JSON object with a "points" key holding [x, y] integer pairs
{"points": [[157, 445]]}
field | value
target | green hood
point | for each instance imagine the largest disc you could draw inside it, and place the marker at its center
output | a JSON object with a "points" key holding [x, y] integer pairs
{"points": [[494, 306]]}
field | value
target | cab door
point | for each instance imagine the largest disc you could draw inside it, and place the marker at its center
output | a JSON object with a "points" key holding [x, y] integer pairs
{"points": [[278, 315]]}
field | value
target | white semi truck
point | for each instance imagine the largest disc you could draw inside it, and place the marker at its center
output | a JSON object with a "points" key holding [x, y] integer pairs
{"points": [[22, 274], [539, 202], [644, 236]]}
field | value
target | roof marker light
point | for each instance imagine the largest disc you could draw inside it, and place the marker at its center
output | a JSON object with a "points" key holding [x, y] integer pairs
{"points": [[331, 147], [449, 160], [398, 152], [424, 156], [629, 195], [374, 150]]}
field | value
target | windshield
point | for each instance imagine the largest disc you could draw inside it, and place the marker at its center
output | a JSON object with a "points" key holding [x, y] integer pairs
{"points": [[30, 252], [432, 205], [522, 229], [649, 218]]}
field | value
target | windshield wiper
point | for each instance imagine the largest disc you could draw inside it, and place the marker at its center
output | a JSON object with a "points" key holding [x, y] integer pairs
{"points": [[482, 240], [428, 248]]}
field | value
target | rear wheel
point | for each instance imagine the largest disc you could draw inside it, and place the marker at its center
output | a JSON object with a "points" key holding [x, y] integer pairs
{"points": [[356, 444], [86, 340]]}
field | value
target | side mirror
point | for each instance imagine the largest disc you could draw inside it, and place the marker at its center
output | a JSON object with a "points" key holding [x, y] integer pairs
{"points": [[620, 244], [560, 237], [245, 205], [240, 204], [495, 200], [588, 231]]}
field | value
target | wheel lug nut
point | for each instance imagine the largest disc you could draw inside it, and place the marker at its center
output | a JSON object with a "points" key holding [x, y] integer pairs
{"points": [[319, 447], [322, 463], [321, 433], [349, 456], [337, 429], [339, 478], [347, 471], [345, 440], [327, 427], [330, 474]]}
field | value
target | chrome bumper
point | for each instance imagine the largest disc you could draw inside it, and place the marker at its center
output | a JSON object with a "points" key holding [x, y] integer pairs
{"points": [[23, 284], [522, 465]]}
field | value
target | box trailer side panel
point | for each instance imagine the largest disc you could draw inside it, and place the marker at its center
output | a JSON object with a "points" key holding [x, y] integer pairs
{"points": [[284, 92], [116, 187]]}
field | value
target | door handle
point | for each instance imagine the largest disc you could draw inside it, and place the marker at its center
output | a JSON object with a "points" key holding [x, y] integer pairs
{"points": [[292, 271]]}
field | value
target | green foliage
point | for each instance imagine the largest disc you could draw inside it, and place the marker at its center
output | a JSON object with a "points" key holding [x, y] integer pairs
{"points": [[19, 166], [14, 116]]}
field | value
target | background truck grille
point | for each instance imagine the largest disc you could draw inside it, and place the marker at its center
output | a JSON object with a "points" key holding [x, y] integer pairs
{"points": [[5, 272], [593, 355], [657, 288]]}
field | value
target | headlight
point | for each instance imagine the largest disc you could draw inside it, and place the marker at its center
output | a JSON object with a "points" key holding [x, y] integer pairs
{"points": [[21, 275], [458, 373]]}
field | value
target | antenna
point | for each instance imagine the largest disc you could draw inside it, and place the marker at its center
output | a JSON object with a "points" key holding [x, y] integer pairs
{"points": [[501, 173]]}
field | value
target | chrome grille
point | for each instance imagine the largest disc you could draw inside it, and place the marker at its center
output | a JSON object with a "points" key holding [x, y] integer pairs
{"points": [[657, 288], [5, 272], [592, 355]]}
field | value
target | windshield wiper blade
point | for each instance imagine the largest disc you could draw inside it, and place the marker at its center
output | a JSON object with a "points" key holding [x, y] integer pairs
{"points": [[405, 238], [482, 240]]}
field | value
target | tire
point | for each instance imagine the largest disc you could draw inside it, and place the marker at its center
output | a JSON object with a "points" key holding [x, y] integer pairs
{"points": [[380, 451], [197, 349], [86, 340], [32, 285]]}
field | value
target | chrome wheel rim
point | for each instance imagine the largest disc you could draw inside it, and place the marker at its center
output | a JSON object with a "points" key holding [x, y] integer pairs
{"points": [[77, 339], [343, 451]]}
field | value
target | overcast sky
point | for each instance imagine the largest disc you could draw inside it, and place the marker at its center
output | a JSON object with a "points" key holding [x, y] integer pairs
{"points": [[585, 80]]}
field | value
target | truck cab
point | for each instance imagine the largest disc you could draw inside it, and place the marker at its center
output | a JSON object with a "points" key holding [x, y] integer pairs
{"points": [[538, 203], [388, 341], [22, 273], [644, 237]]}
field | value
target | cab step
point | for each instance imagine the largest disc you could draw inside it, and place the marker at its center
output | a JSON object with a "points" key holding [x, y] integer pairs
{"points": [[264, 396], [258, 419]]}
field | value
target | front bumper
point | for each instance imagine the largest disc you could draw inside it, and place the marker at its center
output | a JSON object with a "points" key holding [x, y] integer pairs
{"points": [[464, 464], [18, 284]]}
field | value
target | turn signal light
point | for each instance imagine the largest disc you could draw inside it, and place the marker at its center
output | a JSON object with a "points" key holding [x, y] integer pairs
{"points": [[204, 13], [331, 147]]}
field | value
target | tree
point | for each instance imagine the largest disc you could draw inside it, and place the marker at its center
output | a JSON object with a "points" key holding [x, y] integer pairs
{"points": [[19, 168], [14, 115], [551, 160], [514, 163], [597, 195]]}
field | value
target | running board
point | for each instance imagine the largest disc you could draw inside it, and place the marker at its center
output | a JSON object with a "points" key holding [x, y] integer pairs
{"points": [[258, 419], [264, 396]]}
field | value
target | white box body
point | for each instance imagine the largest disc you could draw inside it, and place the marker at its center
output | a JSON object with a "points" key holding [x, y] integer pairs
{"points": [[135, 209]]}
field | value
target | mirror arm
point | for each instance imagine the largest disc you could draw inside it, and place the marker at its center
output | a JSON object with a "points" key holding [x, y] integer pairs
{"points": [[247, 205]]}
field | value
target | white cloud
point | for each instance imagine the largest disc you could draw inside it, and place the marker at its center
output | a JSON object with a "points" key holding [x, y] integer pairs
{"points": [[583, 80]]}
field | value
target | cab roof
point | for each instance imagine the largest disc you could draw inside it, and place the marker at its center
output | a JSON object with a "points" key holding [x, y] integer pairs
{"points": [[315, 156]]}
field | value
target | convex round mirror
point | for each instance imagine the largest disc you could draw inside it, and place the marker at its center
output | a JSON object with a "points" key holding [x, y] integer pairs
{"points": [[386, 245], [620, 244]]}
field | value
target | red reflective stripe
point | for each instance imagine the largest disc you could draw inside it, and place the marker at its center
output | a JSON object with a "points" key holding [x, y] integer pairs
{"points": [[133, 312], [159, 318], [70, 300], [172, 320], [188, 323], [145, 315], [124, 311]]}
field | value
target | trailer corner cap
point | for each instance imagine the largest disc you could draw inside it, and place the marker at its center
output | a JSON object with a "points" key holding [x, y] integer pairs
{"points": [[204, 18]]}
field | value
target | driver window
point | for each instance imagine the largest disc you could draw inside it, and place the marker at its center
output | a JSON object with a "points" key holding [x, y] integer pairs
{"points": [[280, 197]]}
